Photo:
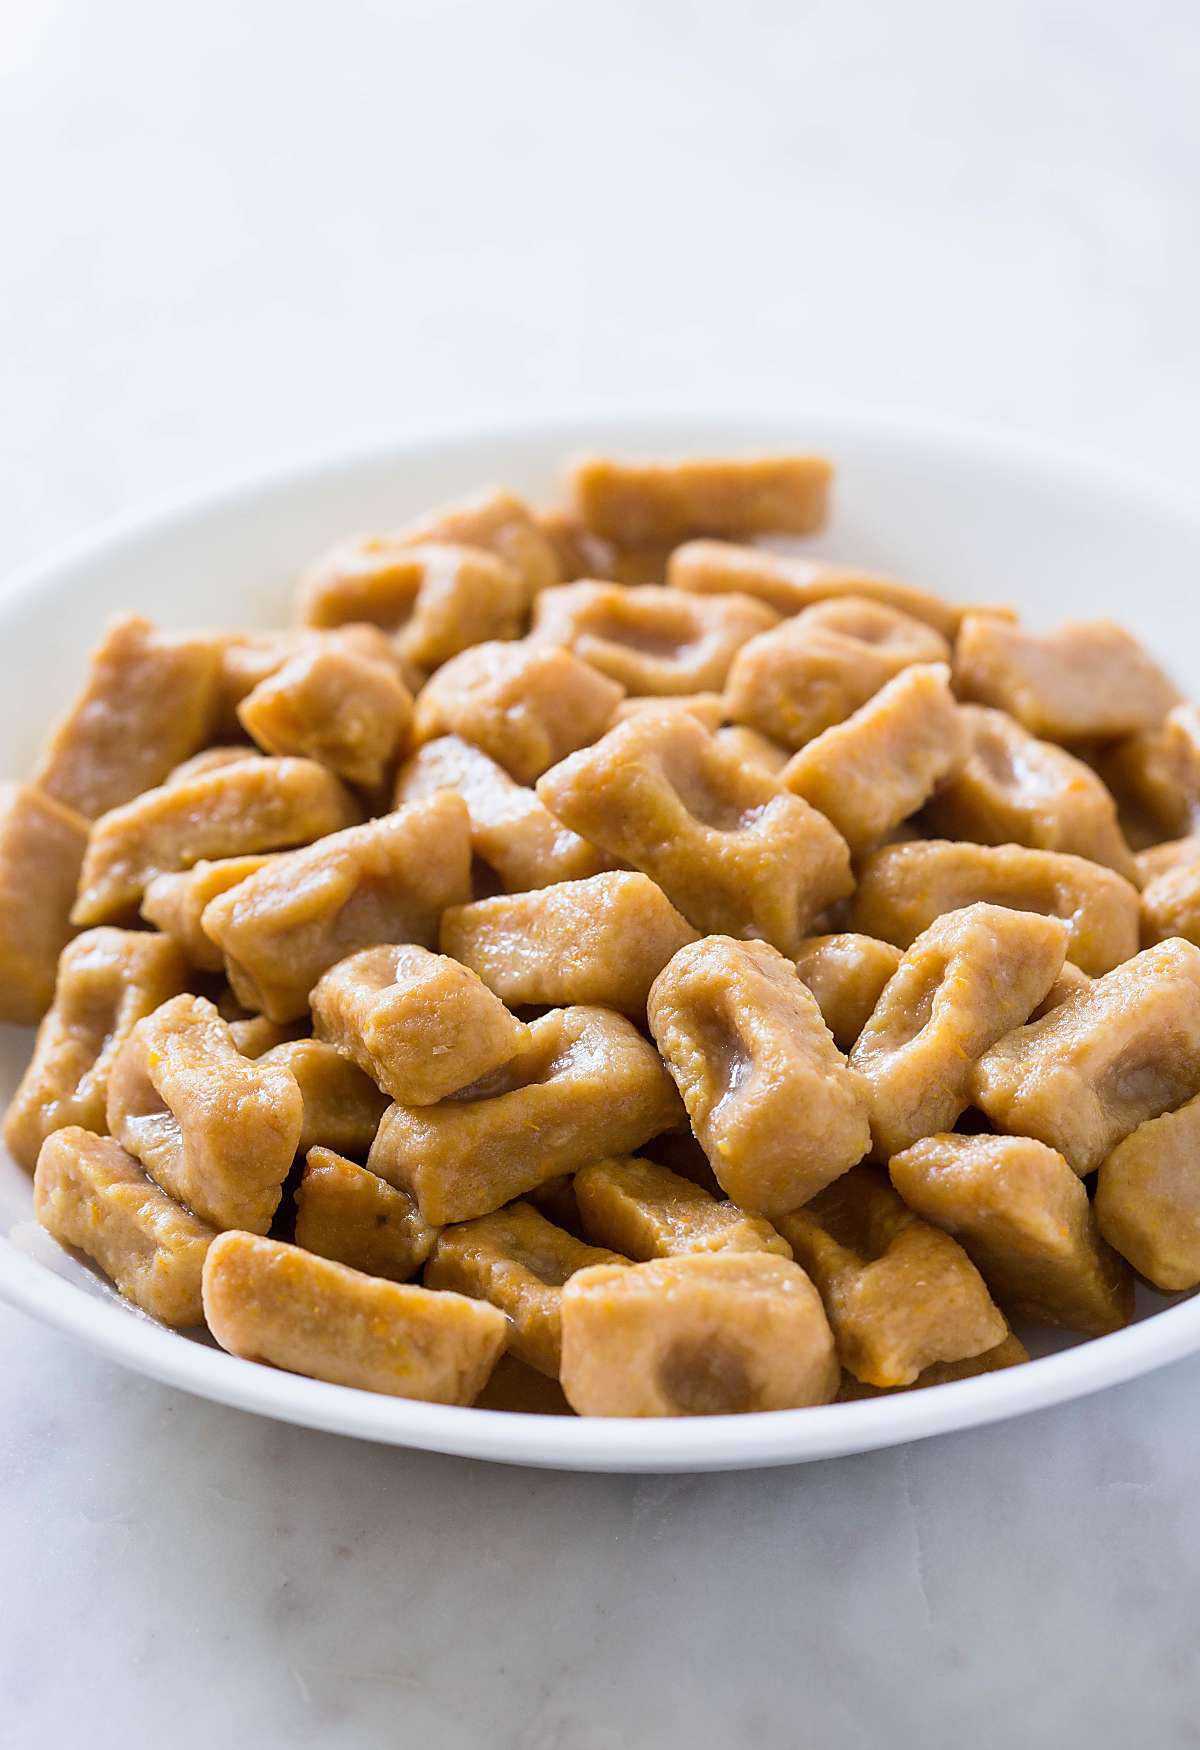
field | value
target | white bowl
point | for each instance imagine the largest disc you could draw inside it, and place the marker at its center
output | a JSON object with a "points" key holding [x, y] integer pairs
{"points": [[978, 517]]}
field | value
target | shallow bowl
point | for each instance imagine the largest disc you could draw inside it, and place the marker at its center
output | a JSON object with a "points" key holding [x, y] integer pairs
{"points": [[977, 516]]}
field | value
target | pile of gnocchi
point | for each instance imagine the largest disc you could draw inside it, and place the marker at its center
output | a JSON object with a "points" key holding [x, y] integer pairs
{"points": [[602, 960]]}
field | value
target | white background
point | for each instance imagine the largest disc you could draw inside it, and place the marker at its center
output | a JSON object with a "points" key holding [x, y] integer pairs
{"points": [[239, 234]]}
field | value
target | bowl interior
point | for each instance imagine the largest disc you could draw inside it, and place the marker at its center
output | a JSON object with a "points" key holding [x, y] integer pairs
{"points": [[977, 518]]}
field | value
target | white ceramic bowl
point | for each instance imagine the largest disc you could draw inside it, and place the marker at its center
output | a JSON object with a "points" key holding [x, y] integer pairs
{"points": [[975, 516]]}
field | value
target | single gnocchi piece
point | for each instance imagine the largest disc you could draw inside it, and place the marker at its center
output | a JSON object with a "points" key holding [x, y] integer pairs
{"points": [[789, 583], [244, 659], [107, 980], [729, 847], [466, 596], [434, 598], [339, 701], [1011, 1352], [272, 1302], [1160, 859], [526, 705], [175, 903], [1024, 1219], [847, 974], [1148, 1198], [500, 523], [752, 748], [518, 1261], [871, 772], [706, 1334], [1181, 734], [635, 501], [966, 982], [88, 1192], [812, 672], [900, 1294], [1155, 775], [1122, 1051], [232, 811], [604, 940], [342, 1105], [1012, 789], [387, 881], [216, 1131], [248, 659], [904, 888], [644, 1210], [1170, 876], [769, 1095], [585, 1084], [512, 831], [419, 1024], [1087, 681], [656, 641], [147, 704], [348, 1214], [42, 847]]}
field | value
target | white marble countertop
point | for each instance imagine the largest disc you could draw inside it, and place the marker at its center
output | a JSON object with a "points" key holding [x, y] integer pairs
{"points": [[252, 232]]}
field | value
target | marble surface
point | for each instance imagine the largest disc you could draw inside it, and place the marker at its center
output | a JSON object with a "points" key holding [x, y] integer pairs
{"points": [[248, 233]]}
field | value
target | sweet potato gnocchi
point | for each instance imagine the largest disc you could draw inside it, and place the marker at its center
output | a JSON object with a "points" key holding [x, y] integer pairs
{"points": [[696, 978]]}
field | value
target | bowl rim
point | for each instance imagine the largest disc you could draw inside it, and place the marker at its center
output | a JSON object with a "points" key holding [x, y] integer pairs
{"points": [[1011, 445], [122, 1334]]}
